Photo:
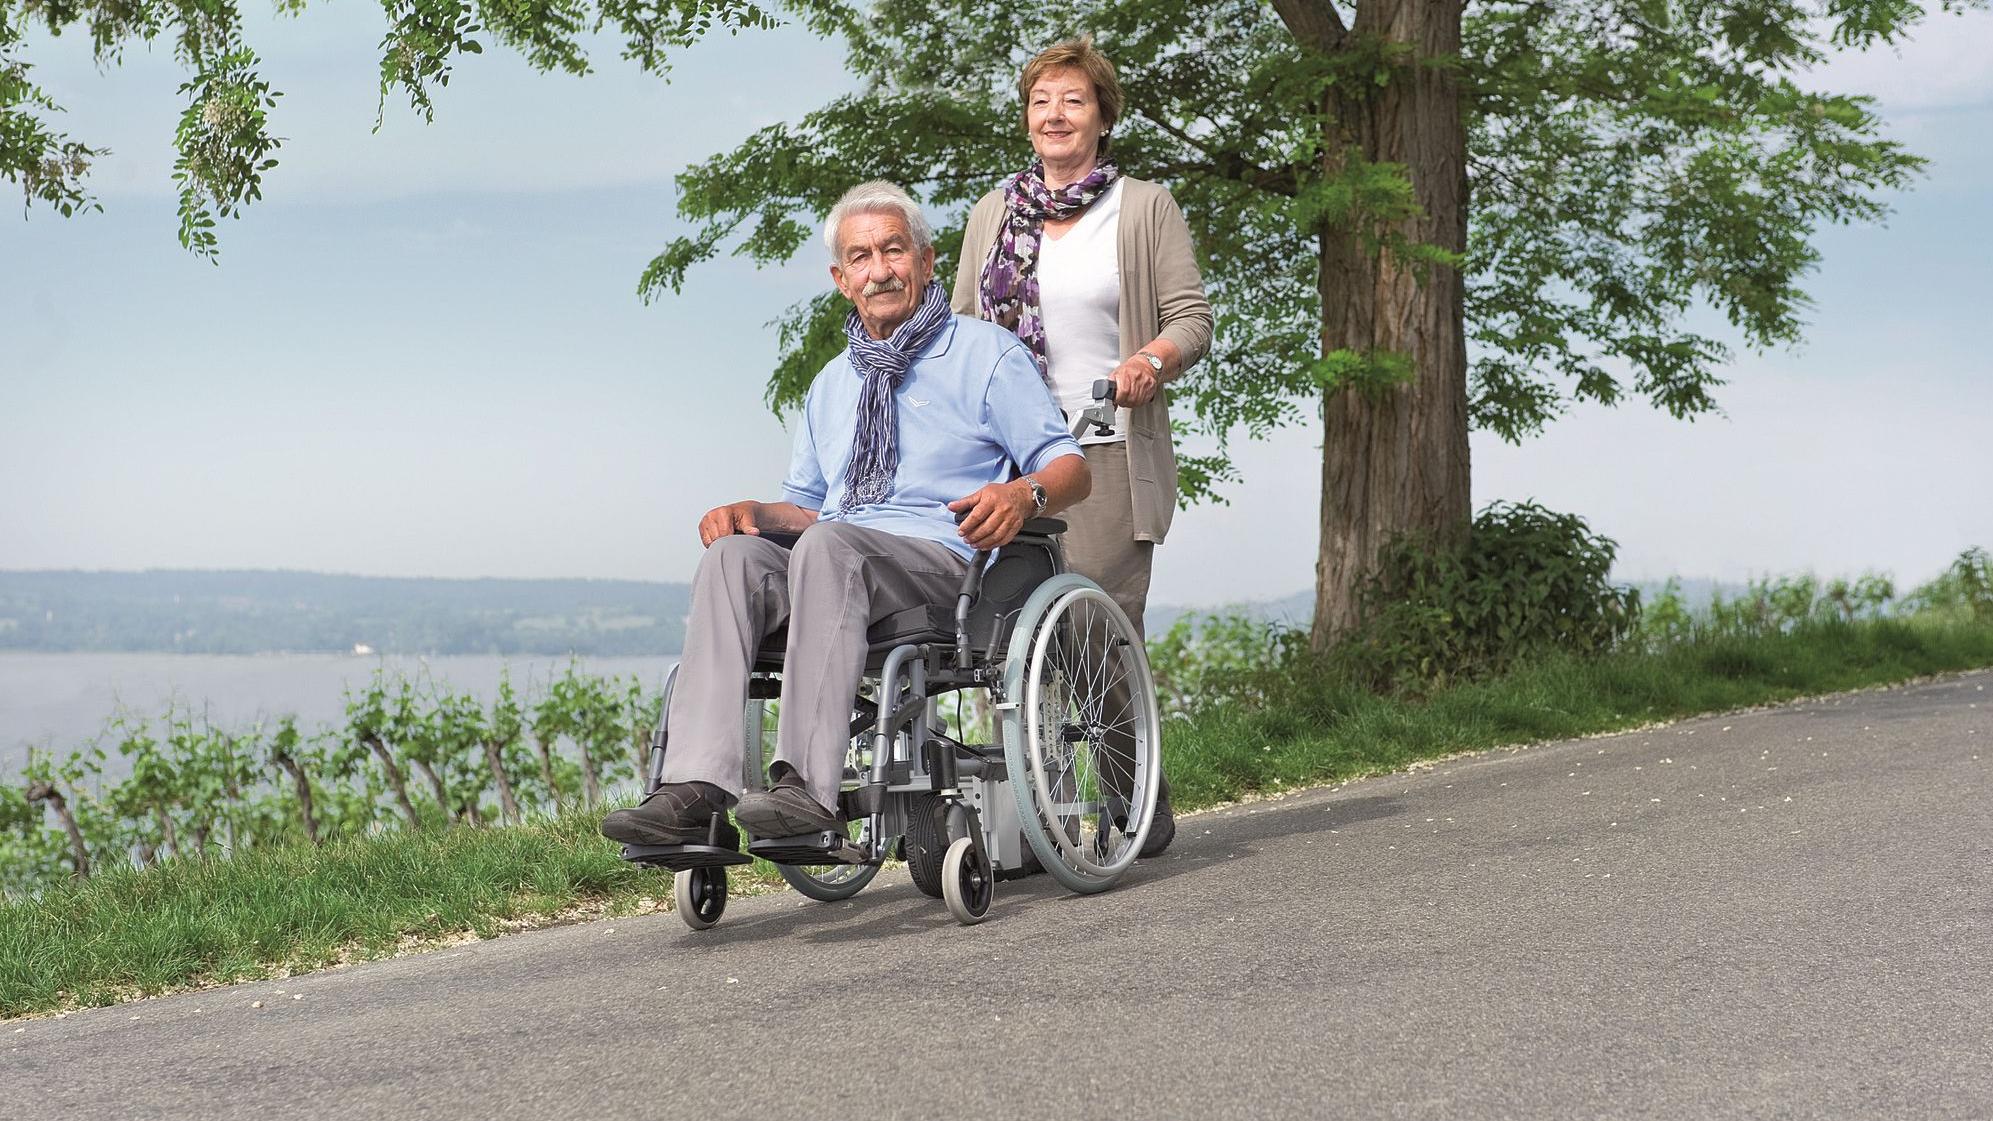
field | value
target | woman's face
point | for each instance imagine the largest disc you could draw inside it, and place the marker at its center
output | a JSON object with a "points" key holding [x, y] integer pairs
{"points": [[1063, 118]]}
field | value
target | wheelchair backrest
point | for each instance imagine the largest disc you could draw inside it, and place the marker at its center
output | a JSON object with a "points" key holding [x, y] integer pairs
{"points": [[1019, 568]]}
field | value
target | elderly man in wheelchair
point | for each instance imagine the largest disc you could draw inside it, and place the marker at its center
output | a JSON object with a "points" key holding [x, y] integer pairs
{"points": [[904, 562]]}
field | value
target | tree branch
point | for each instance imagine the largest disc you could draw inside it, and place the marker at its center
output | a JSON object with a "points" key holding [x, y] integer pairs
{"points": [[1314, 23]]}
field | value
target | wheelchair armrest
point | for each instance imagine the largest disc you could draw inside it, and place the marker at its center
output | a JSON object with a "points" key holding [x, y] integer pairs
{"points": [[1044, 527]]}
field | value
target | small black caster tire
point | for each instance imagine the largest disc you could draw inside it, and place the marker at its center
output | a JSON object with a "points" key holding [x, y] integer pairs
{"points": [[700, 895], [967, 882]]}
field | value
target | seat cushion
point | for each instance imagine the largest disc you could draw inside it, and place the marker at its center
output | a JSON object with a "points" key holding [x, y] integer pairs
{"points": [[929, 622]]}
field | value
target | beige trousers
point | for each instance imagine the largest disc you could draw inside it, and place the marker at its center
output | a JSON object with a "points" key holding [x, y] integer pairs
{"points": [[1100, 534], [1100, 545]]}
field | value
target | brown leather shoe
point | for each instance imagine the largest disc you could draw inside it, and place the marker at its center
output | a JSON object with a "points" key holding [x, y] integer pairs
{"points": [[785, 810], [676, 813]]}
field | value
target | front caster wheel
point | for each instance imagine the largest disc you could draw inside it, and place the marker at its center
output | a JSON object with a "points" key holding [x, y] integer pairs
{"points": [[701, 896], [966, 883]]}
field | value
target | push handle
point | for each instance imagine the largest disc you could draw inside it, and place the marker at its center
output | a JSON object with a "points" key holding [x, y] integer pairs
{"points": [[1100, 417]]}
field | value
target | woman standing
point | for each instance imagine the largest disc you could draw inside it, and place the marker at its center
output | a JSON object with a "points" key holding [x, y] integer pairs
{"points": [[1094, 271]]}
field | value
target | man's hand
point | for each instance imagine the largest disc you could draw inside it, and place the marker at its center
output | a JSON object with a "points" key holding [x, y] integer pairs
{"points": [[995, 514], [1135, 382], [725, 521]]}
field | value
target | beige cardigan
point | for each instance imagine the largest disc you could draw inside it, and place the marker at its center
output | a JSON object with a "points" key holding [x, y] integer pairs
{"points": [[1161, 295]]}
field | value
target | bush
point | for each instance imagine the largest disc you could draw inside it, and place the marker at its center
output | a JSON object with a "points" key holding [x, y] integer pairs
{"points": [[1964, 592], [1206, 660], [1526, 581]]}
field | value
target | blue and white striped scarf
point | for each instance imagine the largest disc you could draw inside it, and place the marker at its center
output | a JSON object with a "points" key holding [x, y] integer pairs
{"points": [[883, 363]]}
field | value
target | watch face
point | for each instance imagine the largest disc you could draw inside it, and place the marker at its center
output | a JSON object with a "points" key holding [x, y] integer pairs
{"points": [[1155, 363]]}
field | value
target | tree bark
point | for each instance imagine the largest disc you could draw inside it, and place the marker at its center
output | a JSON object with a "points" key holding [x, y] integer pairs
{"points": [[304, 797], [166, 830], [396, 782], [442, 792], [508, 805], [591, 789], [78, 851], [546, 746], [1395, 461]]}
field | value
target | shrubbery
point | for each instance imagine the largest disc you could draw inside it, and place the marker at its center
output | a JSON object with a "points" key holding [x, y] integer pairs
{"points": [[1525, 581], [410, 755]]}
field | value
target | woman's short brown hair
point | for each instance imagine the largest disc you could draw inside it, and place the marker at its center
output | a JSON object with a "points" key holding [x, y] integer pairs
{"points": [[1076, 54]]}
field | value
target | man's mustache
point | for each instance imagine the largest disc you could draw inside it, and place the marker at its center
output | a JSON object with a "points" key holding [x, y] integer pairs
{"points": [[890, 284]]}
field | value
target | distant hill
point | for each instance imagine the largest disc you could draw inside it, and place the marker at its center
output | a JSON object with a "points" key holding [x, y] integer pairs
{"points": [[253, 612], [1294, 611], [258, 612]]}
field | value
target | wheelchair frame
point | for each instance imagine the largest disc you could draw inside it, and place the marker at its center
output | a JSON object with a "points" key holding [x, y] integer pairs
{"points": [[978, 797]]}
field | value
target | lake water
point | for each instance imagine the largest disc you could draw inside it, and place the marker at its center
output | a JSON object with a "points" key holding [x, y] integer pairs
{"points": [[64, 700]]}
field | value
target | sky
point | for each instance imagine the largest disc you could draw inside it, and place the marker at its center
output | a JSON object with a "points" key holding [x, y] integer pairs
{"points": [[423, 355]]}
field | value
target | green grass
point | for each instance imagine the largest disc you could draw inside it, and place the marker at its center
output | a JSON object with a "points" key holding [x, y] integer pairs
{"points": [[126, 933], [1324, 731]]}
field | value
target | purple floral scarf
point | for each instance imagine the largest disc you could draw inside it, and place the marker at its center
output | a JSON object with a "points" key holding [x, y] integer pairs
{"points": [[1009, 295]]}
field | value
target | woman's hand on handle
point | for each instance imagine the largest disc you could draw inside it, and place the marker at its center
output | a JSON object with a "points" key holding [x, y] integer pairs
{"points": [[1137, 381]]}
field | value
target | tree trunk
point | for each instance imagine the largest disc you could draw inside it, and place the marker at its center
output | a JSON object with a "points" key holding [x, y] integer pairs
{"points": [[395, 781], [166, 830], [591, 789], [304, 797], [78, 851], [508, 805], [234, 798], [442, 792], [1395, 460], [545, 744]]}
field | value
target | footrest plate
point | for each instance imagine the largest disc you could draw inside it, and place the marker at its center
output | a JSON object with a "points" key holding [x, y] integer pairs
{"points": [[678, 858], [826, 847]]}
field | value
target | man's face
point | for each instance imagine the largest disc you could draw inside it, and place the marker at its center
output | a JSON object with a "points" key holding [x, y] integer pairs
{"points": [[879, 270]]}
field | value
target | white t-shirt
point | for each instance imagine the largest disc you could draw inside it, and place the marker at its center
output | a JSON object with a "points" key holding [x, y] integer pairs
{"points": [[1079, 294]]}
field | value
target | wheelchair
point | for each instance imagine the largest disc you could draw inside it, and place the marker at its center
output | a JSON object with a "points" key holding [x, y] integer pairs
{"points": [[1068, 784]]}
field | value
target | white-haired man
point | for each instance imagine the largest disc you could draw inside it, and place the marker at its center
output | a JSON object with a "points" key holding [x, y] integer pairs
{"points": [[923, 418]]}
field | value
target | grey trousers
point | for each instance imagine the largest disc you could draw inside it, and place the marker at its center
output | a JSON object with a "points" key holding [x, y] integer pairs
{"points": [[839, 579]]}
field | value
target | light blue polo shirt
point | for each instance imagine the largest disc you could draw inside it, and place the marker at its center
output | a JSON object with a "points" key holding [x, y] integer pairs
{"points": [[971, 406]]}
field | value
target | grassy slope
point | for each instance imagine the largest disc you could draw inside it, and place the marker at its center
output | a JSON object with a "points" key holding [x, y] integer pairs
{"points": [[1323, 732], [129, 933]]}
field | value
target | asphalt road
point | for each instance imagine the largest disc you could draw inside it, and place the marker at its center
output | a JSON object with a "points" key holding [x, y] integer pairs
{"points": [[1774, 914]]}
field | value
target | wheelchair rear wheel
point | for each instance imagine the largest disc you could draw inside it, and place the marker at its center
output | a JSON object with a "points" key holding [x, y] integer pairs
{"points": [[1082, 733]]}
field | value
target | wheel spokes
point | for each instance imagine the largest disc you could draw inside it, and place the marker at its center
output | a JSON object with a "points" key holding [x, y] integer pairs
{"points": [[1092, 749]]}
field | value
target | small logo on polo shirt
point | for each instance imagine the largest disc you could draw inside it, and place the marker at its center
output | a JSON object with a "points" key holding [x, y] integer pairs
{"points": [[916, 402]]}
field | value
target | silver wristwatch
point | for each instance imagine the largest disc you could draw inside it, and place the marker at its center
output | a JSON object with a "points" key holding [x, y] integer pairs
{"points": [[1038, 496], [1154, 362]]}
